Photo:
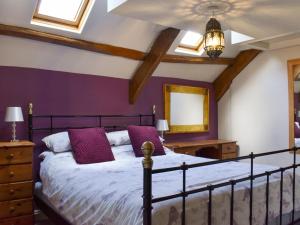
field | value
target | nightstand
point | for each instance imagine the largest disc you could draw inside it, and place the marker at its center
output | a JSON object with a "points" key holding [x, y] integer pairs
{"points": [[215, 149], [16, 185]]}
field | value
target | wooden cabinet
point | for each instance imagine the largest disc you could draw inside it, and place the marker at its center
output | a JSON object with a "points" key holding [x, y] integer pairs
{"points": [[215, 149], [16, 185]]}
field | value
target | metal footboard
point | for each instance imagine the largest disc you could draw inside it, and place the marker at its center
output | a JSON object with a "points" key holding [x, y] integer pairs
{"points": [[148, 199]]}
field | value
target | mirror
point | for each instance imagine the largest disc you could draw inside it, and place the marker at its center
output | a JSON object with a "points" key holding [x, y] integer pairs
{"points": [[186, 108]]}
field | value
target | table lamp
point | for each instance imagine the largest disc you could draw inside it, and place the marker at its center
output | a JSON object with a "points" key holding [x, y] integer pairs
{"points": [[162, 125], [14, 114]]}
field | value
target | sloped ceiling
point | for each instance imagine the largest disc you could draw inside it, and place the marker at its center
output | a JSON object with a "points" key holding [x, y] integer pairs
{"points": [[101, 27]]}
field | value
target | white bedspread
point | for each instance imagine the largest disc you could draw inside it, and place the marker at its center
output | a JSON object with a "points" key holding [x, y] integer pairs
{"points": [[110, 193]]}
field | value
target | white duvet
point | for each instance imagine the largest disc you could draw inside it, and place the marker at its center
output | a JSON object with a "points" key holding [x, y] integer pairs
{"points": [[110, 193]]}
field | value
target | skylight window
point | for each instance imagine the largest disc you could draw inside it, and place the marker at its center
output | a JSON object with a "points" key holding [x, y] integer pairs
{"points": [[191, 43], [191, 39], [68, 15]]}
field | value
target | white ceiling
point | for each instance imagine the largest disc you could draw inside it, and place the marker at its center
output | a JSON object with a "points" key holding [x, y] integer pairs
{"points": [[255, 18], [105, 28]]}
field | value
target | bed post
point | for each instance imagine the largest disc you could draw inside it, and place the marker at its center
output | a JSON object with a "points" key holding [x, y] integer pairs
{"points": [[147, 149], [153, 115], [30, 106]]}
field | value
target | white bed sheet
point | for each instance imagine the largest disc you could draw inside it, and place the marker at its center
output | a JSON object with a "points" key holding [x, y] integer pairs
{"points": [[110, 193]]}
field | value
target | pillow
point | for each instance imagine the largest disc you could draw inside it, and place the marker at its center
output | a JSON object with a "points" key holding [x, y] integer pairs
{"points": [[297, 132], [58, 142], [139, 134], [123, 152], [117, 138], [90, 145]]}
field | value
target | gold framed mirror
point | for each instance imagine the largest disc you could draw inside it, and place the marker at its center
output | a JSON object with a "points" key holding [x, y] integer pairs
{"points": [[186, 108]]}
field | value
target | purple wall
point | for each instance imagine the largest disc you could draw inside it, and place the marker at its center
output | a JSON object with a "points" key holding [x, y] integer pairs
{"points": [[67, 93]]}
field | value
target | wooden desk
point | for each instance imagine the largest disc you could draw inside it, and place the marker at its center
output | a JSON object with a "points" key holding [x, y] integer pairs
{"points": [[215, 149]]}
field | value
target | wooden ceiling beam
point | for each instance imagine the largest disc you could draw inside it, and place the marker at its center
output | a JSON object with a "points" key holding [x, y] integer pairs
{"points": [[143, 73], [70, 42], [102, 48], [224, 80], [197, 60]]}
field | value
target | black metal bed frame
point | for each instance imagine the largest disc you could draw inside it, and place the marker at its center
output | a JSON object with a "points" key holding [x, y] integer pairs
{"points": [[51, 128], [148, 149], [148, 199]]}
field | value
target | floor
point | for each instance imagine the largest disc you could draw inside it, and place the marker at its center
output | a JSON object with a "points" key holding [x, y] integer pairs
{"points": [[41, 219]]}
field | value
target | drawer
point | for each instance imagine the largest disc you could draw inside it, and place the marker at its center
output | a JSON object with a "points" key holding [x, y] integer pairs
{"points": [[16, 191], [229, 148], [22, 220], [15, 155], [229, 155], [16, 208], [186, 150], [14, 173]]}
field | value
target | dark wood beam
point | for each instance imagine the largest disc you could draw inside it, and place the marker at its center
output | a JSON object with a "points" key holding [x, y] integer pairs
{"points": [[224, 80], [196, 60], [100, 47], [151, 61], [70, 42]]}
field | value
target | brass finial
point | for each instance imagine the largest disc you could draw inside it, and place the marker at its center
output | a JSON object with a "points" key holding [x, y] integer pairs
{"points": [[148, 149], [153, 109], [30, 106]]}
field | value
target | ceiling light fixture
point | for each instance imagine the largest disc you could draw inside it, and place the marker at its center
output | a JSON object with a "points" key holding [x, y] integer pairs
{"points": [[214, 36]]}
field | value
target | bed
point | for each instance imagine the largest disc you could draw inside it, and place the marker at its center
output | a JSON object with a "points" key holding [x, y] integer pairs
{"points": [[122, 193]]}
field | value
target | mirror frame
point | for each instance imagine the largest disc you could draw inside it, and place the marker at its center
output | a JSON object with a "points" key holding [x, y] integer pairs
{"points": [[168, 89]]}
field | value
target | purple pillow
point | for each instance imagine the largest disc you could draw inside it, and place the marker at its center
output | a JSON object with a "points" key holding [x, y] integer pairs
{"points": [[90, 145], [297, 132], [139, 134]]}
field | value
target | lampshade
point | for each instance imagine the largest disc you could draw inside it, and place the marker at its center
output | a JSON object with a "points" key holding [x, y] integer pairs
{"points": [[162, 125], [14, 114], [298, 114], [213, 38]]}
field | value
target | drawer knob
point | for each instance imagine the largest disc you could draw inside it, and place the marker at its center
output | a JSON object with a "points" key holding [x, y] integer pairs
{"points": [[11, 191], [12, 209], [11, 174], [10, 156]]}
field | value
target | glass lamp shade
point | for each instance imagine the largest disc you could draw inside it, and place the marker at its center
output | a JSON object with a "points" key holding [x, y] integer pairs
{"points": [[14, 114], [214, 43]]}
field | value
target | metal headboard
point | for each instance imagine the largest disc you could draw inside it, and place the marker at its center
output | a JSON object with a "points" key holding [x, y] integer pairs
{"points": [[51, 128]]}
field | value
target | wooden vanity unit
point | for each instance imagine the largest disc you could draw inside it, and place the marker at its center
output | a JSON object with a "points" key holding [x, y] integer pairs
{"points": [[215, 149]]}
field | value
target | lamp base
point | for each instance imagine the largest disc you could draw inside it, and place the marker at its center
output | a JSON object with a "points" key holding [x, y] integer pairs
{"points": [[14, 140]]}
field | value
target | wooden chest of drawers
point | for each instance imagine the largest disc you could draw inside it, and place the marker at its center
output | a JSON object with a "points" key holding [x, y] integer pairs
{"points": [[16, 185], [215, 149]]}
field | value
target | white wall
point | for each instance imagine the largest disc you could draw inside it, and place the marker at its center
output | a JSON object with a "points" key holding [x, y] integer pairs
{"points": [[255, 109]]}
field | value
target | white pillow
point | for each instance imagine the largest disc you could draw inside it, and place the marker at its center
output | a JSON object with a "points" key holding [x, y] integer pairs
{"points": [[58, 142], [123, 152], [117, 138]]}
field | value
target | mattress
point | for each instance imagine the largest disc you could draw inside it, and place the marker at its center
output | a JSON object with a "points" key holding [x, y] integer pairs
{"points": [[110, 193]]}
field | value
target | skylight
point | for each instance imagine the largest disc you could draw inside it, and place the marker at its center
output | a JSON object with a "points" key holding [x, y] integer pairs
{"points": [[191, 43], [68, 15], [191, 39], [63, 9]]}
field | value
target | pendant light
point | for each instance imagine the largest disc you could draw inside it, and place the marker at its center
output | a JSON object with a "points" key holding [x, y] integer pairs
{"points": [[213, 38]]}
